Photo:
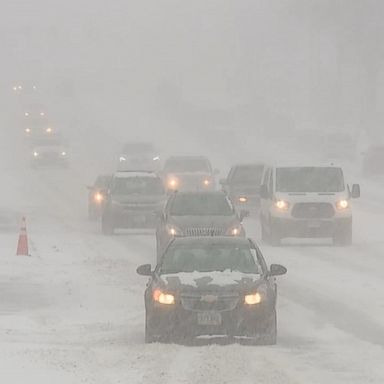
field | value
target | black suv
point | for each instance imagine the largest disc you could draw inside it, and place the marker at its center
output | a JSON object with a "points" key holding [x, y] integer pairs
{"points": [[243, 185], [97, 196], [208, 287], [132, 200], [208, 213]]}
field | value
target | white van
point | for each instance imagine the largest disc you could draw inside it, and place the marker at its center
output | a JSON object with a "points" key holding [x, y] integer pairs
{"points": [[306, 201]]}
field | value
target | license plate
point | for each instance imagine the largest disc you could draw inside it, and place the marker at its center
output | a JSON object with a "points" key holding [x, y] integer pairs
{"points": [[209, 318], [314, 224]]}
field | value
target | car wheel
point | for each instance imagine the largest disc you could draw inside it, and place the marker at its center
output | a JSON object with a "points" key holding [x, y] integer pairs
{"points": [[274, 235], [270, 335], [107, 226], [343, 236]]}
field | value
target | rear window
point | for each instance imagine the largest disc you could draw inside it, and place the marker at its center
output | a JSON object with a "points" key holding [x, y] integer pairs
{"points": [[310, 179], [201, 205]]}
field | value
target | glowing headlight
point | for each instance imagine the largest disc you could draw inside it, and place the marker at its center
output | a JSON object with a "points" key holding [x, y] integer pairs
{"points": [[173, 231], [42, 114], [282, 205], [98, 197], [156, 158], [206, 182], [243, 199], [173, 183], [122, 158], [48, 130], [26, 114], [342, 204], [252, 299], [28, 130], [234, 231], [63, 153], [163, 298], [35, 154]]}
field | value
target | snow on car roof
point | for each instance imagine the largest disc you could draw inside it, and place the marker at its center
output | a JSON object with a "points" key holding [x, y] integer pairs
{"points": [[125, 174]]}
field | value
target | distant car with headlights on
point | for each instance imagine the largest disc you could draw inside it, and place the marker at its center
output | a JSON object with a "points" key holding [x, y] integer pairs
{"points": [[132, 200], [49, 151], [208, 213], [373, 161], [214, 287], [188, 173], [139, 155], [306, 201], [242, 185], [97, 196]]}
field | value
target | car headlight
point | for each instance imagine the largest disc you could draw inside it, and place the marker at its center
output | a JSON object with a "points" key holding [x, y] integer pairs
{"points": [[28, 130], [282, 205], [174, 231], [98, 197], [48, 130], [26, 114], [234, 231], [63, 153], [163, 298], [122, 158], [253, 299], [35, 154], [342, 204], [173, 182], [206, 182], [243, 199]]}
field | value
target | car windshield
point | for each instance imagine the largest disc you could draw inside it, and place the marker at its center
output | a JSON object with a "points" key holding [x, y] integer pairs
{"points": [[310, 179], [137, 185], [209, 258], [250, 174], [201, 205], [187, 165]]}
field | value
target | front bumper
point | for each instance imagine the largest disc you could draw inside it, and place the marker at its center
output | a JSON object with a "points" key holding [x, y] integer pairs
{"points": [[309, 228], [180, 324]]}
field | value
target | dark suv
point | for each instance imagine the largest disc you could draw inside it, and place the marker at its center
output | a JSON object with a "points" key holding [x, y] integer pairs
{"points": [[212, 286], [243, 185], [132, 201], [209, 213]]}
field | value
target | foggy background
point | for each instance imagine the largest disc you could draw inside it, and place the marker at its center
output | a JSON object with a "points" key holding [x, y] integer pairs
{"points": [[215, 72]]}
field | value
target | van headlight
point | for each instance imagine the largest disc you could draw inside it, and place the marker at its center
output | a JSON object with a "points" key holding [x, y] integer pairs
{"points": [[174, 231], [282, 205], [342, 204]]}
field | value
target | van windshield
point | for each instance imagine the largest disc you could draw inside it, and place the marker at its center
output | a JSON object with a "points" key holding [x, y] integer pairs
{"points": [[310, 179]]}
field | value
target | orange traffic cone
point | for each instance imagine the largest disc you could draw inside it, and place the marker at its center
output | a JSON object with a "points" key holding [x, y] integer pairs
{"points": [[22, 245]]}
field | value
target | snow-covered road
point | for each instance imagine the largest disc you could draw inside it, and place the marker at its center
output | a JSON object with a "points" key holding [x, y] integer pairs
{"points": [[73, 312]]}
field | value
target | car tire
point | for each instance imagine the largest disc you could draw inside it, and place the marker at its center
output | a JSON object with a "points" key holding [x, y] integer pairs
{"points": [[107, 226], [270, 335], [343, 236]]}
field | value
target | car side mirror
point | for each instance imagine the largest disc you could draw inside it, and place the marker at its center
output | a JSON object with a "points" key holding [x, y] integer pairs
{"points": [[277, 270], [355, 191], [144, 270], [263, 191], [243, 214]]}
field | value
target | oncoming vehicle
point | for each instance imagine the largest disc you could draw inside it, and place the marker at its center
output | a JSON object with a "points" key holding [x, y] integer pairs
{"points": [[139, 155], [243, 185], [188, 173], [49, 151], [132, 200], [211, 286], [311, 201], [97, 196], [208, 213]]}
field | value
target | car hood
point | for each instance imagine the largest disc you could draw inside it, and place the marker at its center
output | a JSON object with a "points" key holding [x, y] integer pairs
{"points": [[204, 221], [138, 199], [210, 281]]}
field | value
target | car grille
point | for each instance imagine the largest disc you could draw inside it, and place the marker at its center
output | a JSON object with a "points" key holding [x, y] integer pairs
{"points": [[209, 302], [313, 211], [200, 231]]}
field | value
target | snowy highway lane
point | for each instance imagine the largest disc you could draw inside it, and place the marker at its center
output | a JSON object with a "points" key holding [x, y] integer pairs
{"points": [[73, 312]]}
